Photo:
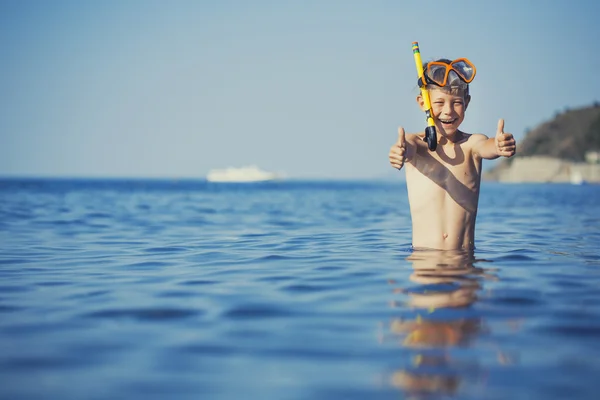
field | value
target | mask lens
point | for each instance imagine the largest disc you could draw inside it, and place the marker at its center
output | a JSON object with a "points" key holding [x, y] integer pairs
{"points": [[464, 69], [454, 79], [437, 73]]}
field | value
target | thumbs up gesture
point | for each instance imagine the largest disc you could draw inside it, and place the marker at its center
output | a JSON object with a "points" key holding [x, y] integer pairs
{"points": [[398, 150], [505, 142]]}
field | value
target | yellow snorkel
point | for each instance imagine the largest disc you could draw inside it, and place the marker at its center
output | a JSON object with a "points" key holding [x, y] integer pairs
{"points": [[430, 134]]}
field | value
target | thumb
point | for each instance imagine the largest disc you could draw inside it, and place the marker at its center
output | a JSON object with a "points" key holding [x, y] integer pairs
{"points": [[401, 137], [500, 129]]}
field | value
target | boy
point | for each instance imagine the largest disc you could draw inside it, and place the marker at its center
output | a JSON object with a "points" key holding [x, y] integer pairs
{"points": [[443, 185]]}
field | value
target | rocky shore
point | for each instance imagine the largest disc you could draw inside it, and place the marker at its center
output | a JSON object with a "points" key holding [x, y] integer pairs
{"points": [[545, 169]]}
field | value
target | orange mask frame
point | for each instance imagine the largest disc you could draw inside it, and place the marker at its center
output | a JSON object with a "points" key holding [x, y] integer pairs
{"points": [[452, 66]]}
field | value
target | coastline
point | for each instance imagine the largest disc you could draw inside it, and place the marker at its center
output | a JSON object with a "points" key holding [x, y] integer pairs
{"points": [[544, 169]]}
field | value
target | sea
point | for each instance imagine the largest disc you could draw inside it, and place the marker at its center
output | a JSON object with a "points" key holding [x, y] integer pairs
{"points": [[185, 289]]}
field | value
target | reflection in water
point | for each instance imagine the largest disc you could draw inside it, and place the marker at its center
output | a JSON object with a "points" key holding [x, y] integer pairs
{"points": [[448, 283]]}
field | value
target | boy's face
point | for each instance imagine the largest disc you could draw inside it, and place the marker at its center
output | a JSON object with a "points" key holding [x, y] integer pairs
{"points": [[448, 110]]}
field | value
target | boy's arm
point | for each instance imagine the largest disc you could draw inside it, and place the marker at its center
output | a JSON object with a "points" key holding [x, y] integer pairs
{"points": [[503, 144], [403, 150]]}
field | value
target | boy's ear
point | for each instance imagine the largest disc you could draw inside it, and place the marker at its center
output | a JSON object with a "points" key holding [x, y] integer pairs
{"points": [[421, 102], [467, 101]]}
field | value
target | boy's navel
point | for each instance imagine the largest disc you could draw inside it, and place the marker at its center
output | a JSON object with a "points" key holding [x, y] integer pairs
{"points": [[445, 235]]}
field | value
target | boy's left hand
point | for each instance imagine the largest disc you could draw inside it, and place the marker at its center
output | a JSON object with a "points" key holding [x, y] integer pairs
{"points": [[505, 142]]}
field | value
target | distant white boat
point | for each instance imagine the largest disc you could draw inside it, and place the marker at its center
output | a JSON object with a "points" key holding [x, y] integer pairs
{"points": [[577, 178], [244, 174]]}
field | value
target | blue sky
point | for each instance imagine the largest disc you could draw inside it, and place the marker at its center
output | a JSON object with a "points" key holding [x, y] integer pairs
{"points": [[316, 89]]}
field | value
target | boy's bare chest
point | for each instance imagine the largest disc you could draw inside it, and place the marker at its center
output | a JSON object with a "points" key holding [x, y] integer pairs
{"points": [[448, 166], [450, 184]]}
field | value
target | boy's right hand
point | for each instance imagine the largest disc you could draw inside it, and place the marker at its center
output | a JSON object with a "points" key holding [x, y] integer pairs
{"points": [[398, 150]]}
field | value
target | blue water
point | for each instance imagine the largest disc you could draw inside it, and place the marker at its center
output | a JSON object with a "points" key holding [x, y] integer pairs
{"points": [[292, 290]]}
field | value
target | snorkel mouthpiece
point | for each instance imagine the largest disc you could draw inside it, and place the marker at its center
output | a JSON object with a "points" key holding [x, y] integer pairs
{"points": [[431, 137]]}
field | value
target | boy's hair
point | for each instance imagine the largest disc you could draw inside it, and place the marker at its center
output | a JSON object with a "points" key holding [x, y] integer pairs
{"points": [[454, 86]]}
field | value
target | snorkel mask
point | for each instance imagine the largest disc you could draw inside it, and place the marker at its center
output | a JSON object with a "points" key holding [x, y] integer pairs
{"points": [[439, 73]]}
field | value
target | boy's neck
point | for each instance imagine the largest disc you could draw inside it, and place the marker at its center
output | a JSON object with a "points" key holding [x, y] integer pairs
{"points": [[454, 138]]}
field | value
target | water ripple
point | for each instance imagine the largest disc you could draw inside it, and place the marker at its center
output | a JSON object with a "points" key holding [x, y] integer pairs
{"points": [[257, 311], [150, 314]]}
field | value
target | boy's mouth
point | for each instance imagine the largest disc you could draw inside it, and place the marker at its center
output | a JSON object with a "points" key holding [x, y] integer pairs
{"points": [[448, 121]]}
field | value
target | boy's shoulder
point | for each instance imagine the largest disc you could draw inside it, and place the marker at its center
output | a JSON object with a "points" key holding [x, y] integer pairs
{"points": [[476, 136], [473, 138]]}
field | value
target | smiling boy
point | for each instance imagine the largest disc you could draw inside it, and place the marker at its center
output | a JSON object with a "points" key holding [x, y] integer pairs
{"points": [[443, 185]]}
